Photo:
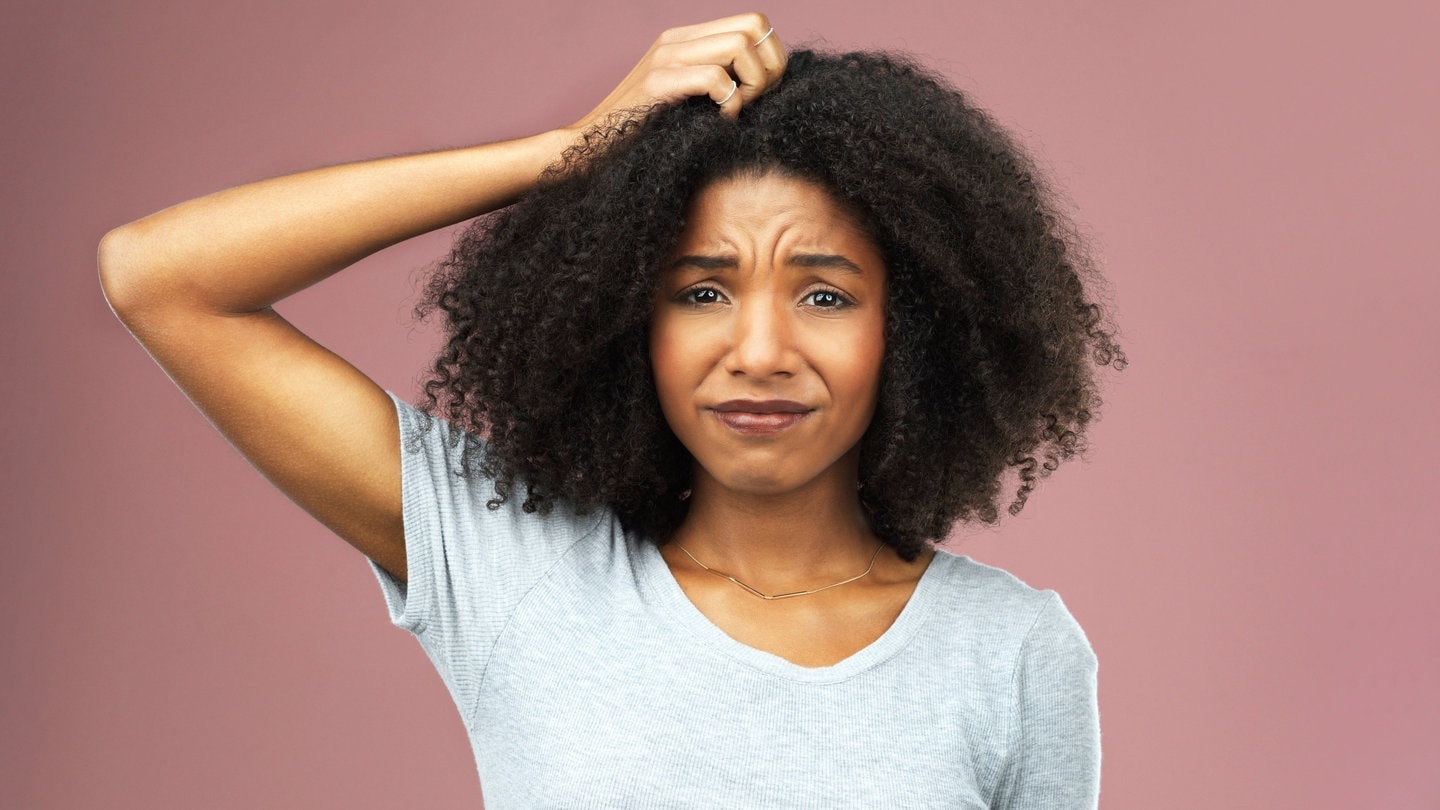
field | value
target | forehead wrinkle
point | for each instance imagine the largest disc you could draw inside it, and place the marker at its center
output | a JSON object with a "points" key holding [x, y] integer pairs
{"points": [[801, 243], [727, 228], [798, 261]]}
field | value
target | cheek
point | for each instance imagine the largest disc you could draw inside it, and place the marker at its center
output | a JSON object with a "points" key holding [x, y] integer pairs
{"points": [[866, 358], [668, 364], [866, 381]]}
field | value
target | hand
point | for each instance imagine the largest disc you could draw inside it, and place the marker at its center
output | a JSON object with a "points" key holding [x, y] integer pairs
{"points": [[710, 59]]}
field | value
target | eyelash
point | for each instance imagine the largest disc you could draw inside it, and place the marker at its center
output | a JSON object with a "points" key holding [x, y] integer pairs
{"points": [[842, 301]]}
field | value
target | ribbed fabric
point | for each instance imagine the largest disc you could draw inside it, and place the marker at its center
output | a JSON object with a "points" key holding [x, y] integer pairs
{"points": [[586, 677]]}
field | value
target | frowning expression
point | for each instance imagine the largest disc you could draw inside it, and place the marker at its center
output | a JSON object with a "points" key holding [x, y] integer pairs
{"points": [[768, 335]]}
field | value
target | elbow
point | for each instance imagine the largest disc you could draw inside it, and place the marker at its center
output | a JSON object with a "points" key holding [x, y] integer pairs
{"points": [[111, 261], [122, 268]]}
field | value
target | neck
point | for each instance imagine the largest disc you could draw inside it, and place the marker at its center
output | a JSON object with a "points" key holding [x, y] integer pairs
{"points": [[800, 539]]}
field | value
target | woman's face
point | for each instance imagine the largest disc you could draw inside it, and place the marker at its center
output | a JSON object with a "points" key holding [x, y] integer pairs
{"points": [[768, 335]]}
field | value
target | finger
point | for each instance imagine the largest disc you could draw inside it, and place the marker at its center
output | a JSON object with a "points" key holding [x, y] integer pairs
{"points": [[755, 28], [732, 102], [754, 23], [731, 49], [675, 83], [773, 56], [754, 75]]}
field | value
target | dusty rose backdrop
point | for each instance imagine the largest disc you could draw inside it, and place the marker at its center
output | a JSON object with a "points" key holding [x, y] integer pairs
{"points": [[1251, 545]]}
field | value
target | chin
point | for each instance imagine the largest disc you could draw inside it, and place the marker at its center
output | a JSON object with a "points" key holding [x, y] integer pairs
{"points": [[758, 482], [761, 487]]}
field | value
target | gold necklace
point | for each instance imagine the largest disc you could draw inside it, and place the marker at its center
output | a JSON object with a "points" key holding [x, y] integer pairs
{"points": [[785, 595]]}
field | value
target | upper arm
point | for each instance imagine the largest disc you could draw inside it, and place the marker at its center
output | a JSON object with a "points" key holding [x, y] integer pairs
{"points": [[1054, 758], [313, 424]]}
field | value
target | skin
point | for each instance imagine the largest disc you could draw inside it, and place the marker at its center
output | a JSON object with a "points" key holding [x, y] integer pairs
{"points": [[778, 293]]}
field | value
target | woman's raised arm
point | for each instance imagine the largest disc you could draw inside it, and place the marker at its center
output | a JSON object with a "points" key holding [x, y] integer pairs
{"points": [[195, 282]]}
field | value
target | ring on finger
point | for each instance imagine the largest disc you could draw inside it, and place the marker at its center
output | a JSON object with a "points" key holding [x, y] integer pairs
{"points": [[762, 39], [733, 86]]}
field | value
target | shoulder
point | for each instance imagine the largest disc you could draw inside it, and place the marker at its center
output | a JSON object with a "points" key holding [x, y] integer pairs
{"points": [[422, 434], [469, 563], [981, 589], [996, 609], [447, 493]]}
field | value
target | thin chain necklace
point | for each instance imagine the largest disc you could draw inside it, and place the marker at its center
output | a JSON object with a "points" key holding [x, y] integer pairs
{"points": [[786, 595]]}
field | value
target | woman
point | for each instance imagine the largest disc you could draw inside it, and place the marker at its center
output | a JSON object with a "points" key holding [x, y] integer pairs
{"points": [[735, 370]]}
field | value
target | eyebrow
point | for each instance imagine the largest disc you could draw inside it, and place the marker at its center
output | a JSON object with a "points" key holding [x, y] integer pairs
{"points": [[822, 260]]}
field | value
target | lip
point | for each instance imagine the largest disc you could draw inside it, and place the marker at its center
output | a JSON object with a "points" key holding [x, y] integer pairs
{"points": [[761, 406], [754, 417]]}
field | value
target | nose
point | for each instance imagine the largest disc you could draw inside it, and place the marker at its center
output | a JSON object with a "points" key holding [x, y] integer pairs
{"points": [[761, 341]]}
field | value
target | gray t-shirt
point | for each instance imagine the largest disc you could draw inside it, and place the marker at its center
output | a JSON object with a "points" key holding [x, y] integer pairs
{"points": [[586, 678]]}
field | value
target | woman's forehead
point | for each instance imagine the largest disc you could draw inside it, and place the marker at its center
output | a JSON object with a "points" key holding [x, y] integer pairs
{"points": [[772, 211]]}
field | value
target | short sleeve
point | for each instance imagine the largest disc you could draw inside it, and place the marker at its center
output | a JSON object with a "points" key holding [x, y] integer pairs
{"points": [[468, 565], [1054, 750]]}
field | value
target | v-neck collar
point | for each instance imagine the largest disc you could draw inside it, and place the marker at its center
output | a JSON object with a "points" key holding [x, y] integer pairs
{"points": [[660, 581]]}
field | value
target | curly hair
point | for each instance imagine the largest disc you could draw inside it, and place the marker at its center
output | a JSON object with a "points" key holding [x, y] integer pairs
{"points": [[990, 336]]}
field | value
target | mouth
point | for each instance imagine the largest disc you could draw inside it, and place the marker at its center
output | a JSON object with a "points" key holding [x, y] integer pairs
{"points": [[760, 417]]}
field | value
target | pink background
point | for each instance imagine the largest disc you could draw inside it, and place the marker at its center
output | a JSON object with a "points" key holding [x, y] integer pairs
{"points": [[1250, 546]]}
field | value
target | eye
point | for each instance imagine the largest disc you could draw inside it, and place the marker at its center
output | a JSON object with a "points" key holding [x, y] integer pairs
{"points": [[828, 299], [699, 296]]}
